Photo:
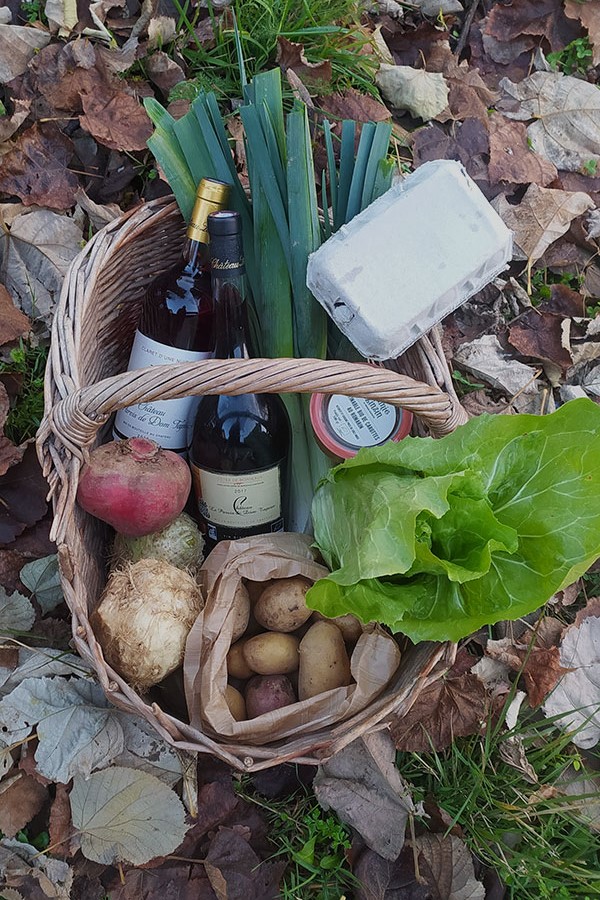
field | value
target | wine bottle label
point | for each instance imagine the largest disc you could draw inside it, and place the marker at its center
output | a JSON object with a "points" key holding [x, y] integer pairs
{"points": [[238, 500], [361, 423], [163, 421]]}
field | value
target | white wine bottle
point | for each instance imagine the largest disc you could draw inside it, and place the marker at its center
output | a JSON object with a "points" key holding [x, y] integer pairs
{"points": [[176, 325], [241, 445]]}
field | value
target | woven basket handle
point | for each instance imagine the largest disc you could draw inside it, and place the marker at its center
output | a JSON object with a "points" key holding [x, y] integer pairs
{"points": [[76, 419], [70, 426]]}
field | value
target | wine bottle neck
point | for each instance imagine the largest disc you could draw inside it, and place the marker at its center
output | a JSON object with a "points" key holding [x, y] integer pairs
{"points": [[232, 334], [196, 254]]}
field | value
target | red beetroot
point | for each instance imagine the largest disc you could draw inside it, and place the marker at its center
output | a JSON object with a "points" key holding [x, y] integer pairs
{"points": [[134, 485]]}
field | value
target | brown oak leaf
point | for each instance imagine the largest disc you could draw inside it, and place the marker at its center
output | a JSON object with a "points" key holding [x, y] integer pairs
{"points": [[538, 334], [22, 799], [13, 323], [35, 169], [384, 879], [9, 453], [511, 158], [290, 55], [60, 827], [23, 492], [447, 709], [183, 881], [540, 665], [234, 869], [468, 143], [34, 543], [351, 104], [163, 71], [116, 120], [10, 124], [543, 19], [409, 47], [469, 96]]}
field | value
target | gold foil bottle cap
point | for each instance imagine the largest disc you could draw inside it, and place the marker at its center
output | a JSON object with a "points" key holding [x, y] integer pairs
{"points": [[211, 195]]}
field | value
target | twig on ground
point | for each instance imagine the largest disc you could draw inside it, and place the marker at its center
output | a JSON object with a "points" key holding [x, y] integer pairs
{"points": [[466, 27]]}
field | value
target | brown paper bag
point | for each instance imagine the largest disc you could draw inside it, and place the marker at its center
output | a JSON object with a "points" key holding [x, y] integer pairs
{"points": [[373, 662]]}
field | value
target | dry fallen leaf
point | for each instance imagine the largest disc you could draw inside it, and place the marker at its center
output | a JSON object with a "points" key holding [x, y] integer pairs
{"points": [[98, 214], [116, 120], [21, 798], [542, 216], [18, 44], [468, 143], [23, 491], [161, 31], [531, 18], [35, 169], [290, 55], [124, 815], [423, 94], [541, 666], [364, 787], [538, 334], [382, 879], [13, 323], [40, 876], [469, 96], [235, 870], [583, 789], [351, 104], [11, 123], [163, 71], [486, 358], [589, 16], [447, 709], [35, 254], [9, 453], [511, 158], [566, 110], [576, 697], [446, 864], [60, 827]]}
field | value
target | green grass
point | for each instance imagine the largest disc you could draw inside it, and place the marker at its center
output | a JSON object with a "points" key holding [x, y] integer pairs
{"points": [[328, 30], [27, 363], [543, 279], [312, 842], [574, 59], [463, 383], [535, 841]]}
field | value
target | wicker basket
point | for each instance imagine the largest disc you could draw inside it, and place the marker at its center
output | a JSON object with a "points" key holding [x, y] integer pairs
{"points": [[92, 334]]}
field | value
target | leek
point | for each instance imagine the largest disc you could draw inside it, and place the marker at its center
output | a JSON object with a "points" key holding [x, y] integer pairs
{"points": [[281, 225]]}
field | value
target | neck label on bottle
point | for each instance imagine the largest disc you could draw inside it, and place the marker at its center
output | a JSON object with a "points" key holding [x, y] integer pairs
{"points": [[238, 500], [163, 421]]}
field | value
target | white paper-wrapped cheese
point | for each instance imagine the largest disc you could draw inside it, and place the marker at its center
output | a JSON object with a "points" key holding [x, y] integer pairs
{"points": [[409, 259]]}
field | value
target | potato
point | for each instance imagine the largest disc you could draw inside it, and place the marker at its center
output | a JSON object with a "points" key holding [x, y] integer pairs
{"points": [[349, 625], [235, 702], [271, 653], [237, 666], [324, 662], [241, 605], [281, 606], [265, 693]]}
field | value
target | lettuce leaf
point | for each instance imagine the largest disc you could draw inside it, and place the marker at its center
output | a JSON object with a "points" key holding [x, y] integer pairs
{"points": [[436, 538]]}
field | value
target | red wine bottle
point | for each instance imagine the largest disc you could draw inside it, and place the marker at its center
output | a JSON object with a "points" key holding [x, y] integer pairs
{"points": [[176, 325], [241, 445]]}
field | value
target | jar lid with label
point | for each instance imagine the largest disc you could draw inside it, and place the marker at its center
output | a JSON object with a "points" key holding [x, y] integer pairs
{"points": [[343, 425]]}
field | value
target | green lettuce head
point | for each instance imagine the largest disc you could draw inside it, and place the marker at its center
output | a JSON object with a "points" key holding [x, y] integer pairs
{"points": [[436, 538]]}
